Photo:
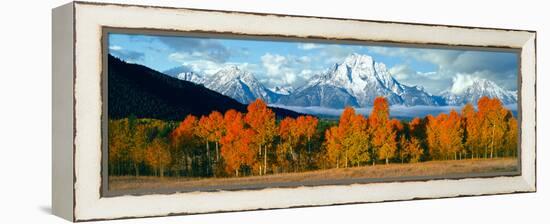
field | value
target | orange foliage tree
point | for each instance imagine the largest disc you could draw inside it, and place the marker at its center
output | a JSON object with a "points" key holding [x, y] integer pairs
{"points": [[210, 129], [288, 131], [333, 144], [445, 135], [383, 135], [307, 126], [452, 135], [261, 120], [236, 143]]}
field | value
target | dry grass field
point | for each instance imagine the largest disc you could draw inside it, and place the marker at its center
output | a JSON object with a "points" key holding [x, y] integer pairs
{"points": [[425, 169]]}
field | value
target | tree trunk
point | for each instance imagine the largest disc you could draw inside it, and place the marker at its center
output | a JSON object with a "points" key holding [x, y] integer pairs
{"points": [[185, 162], [346, 165], [265, 160], [387, 162], [136, 169], [217, 152], [308, 149], [161, 171], [207, 158], [493, 141]]}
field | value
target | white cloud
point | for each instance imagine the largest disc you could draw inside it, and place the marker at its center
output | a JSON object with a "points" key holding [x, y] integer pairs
{"points": [[273, 63], [195, 63], [309, 46], [178, 57], [461, 82], [287, 70], [115, 48]]}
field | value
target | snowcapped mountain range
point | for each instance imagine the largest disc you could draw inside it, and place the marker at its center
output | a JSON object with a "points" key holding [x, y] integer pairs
{"points": [[282, 90], [356, 82], [478, 89]]}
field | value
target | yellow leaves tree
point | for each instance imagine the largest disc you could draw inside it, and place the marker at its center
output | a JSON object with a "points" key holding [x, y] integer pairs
{"points": [[493, 120], [158, 156], [359, 140], [293, 133], [512, 136], [183, 140], [349, 141], [413, 150], [119, 143], [472, 130], [138, 147]]}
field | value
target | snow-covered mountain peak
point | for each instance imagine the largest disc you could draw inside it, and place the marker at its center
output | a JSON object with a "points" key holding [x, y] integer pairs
{"points": [[357, 81], [191, 77], [359, 60], [231, 70], [471, 90], [282, 90], [232, 73]]}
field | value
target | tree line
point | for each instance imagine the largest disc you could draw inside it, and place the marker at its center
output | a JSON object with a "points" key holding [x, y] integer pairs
{"points": [[256, 143]]}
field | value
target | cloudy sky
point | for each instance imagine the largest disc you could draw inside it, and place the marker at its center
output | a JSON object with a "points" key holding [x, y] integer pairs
{"points": [[279, 63]]}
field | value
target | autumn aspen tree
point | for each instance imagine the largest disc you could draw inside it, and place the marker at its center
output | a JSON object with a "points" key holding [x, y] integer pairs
{"points": [[217, 128], [262, 121], [235, 149], [205, 132], [158, 156], [471, 128], [512, 136], [183, 138], [493, 115], [383, 140]]}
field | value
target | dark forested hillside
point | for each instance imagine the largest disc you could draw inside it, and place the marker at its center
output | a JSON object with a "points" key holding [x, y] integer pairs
{"points": [[145, 93]]}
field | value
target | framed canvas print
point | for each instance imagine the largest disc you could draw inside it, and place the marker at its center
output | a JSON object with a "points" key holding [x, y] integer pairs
{"points": [[168, 111]]}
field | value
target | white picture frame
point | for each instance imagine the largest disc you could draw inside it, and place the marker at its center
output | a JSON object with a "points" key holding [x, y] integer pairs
{"points": [[77, 110]]}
